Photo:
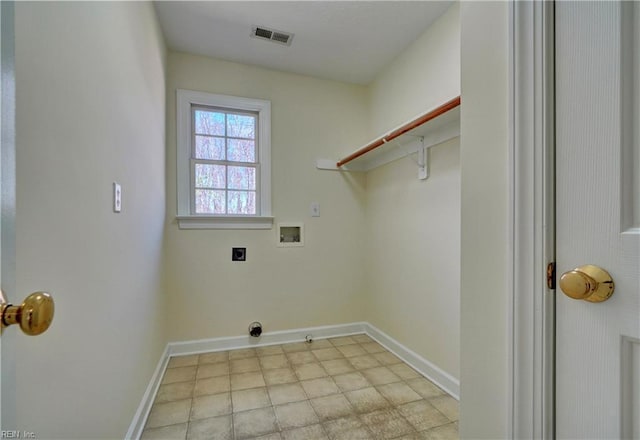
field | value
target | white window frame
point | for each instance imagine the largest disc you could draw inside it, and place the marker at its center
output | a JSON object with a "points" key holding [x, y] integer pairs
{"points": [[185, 99]]}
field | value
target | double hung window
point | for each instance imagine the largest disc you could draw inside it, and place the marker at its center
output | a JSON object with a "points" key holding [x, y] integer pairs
{"points": [[224, 164], [223, 161]]}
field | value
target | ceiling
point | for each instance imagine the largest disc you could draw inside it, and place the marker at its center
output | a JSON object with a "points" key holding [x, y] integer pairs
{"points": [[349, 41]]}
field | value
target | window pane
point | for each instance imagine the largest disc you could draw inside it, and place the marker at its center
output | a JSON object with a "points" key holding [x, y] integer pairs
{"points": [[242, 202], [209, 122], [242, 178], [241, 151], [241, 126], [210, 176], [210, 202], [211, 148]]}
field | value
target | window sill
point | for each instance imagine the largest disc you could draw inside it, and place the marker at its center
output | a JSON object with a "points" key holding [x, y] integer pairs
{"points": [[223, 222]]}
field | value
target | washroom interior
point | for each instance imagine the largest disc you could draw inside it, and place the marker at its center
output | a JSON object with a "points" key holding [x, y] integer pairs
{"points": [[384, 249]]}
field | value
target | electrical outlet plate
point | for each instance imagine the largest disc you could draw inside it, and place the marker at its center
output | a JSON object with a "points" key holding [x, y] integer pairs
{"points": [[315, 209], [238, 254]]}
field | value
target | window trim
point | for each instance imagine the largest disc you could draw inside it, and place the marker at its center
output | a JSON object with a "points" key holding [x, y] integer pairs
{"points": [[186, 219]]}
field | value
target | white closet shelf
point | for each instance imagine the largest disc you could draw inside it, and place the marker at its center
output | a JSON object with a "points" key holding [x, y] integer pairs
{"points": [[431, 128]]}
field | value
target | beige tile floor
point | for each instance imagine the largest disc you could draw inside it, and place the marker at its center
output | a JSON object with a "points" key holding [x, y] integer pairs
{"points": [[342, 388]]}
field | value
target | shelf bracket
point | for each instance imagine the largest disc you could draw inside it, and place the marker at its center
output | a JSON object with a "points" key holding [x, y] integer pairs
{"points": [[423, 160]]}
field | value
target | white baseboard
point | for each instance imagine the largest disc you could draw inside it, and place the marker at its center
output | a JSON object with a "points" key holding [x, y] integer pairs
{"points": [[270, 338], [444, 380], [140, 418], [435, 374]]}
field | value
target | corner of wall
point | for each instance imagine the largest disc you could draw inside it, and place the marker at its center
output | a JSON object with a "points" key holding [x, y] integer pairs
{"points": [[405, 88], [484, 228], [412, 251]]}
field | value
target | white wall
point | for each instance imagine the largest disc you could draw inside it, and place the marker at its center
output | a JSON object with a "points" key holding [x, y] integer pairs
{"points": [[318, 284], [425, 75], [90, 111], [413, 226], [360, 260], [484, 161]]}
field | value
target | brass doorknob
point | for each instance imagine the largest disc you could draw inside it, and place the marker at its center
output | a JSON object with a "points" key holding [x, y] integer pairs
{"points": [[590, 283], [34, 314]]}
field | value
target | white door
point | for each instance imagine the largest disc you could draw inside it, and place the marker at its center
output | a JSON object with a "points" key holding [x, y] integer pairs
{"points": [[598, 217], [7, 211]]}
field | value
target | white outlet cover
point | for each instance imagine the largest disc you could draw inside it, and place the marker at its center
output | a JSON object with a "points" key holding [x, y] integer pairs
{"points": [[315, 209], [117, 197]]}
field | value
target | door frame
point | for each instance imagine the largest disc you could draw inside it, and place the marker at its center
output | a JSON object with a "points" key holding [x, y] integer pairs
{"points": [[532, 197], [8, 388]]}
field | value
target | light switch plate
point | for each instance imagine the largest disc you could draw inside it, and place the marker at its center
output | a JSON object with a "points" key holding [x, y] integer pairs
{"points": [[117, 197]]}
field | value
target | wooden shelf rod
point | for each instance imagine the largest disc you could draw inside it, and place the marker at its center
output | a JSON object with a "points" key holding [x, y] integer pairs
{"points": [[455, 102]]}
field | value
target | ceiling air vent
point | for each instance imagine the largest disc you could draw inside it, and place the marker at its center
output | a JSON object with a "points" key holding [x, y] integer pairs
{"points": [[264, 33]]}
